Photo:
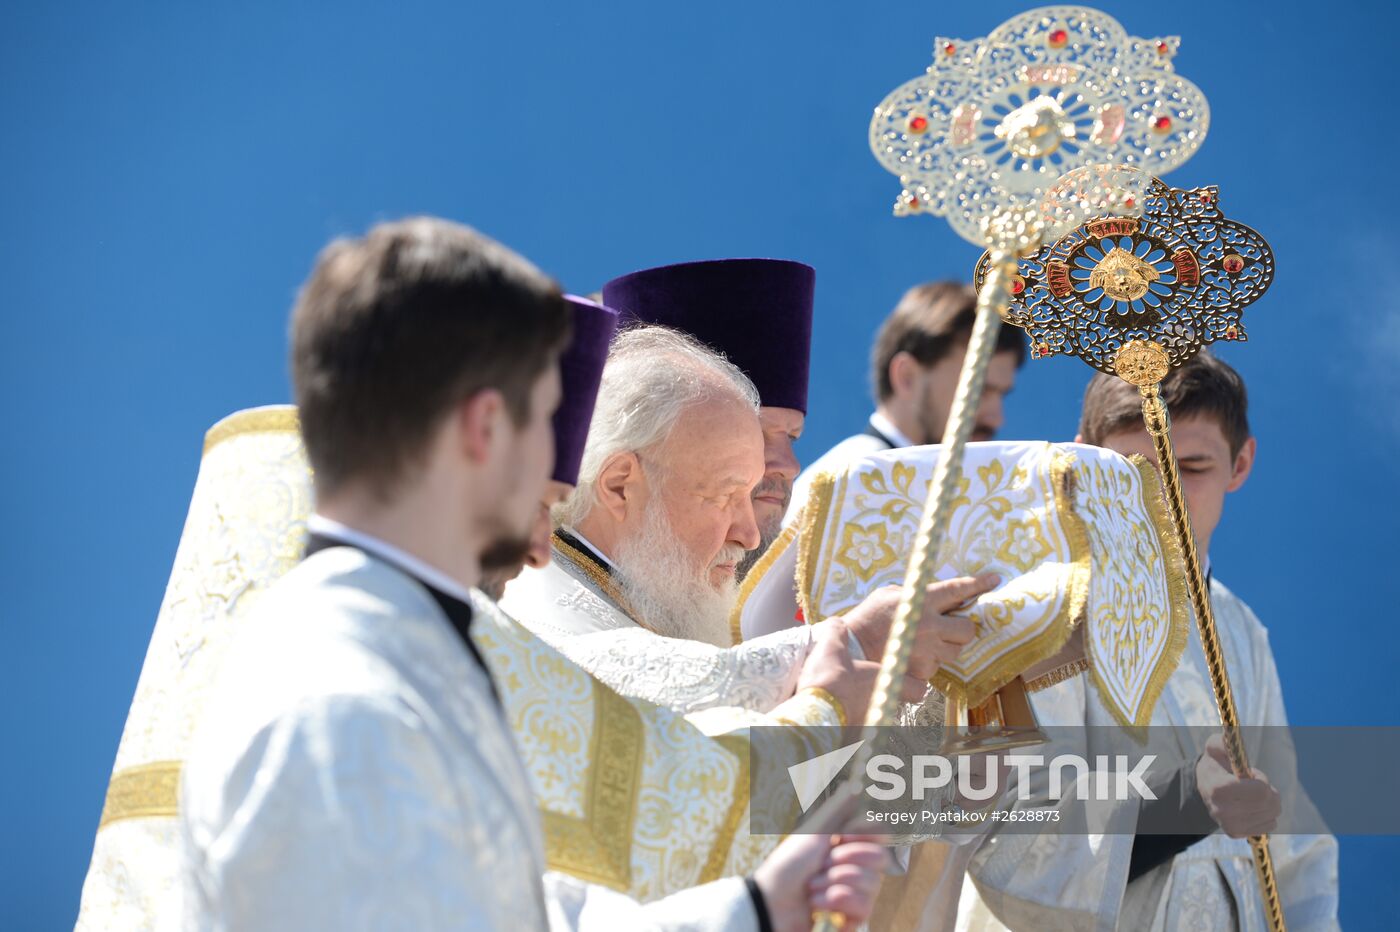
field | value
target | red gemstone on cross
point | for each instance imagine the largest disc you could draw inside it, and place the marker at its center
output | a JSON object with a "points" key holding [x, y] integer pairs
{"points": [[1058, 38], [949, 49], [1163, 48], [913, 203]]}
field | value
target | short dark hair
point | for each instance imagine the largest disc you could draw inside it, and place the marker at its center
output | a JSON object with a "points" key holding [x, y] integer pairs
{"points": [[1206, 385], [927, 323], [394, 329]]}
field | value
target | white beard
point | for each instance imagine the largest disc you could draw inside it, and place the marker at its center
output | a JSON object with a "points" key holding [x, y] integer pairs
{"points": [[667, 592]]}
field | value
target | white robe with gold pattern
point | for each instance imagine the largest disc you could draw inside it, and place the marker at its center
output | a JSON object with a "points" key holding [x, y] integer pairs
{"points": [[1081, 883], [574, 614], [353, 769]]}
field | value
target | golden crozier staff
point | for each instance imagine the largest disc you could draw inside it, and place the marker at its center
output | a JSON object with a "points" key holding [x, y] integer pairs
{"points": [[981, 138], [1137, 296]]}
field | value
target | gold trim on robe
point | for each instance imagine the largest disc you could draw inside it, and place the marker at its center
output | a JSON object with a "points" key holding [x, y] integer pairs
{"points": [[270, 419], [145, 791], [598, 847]]}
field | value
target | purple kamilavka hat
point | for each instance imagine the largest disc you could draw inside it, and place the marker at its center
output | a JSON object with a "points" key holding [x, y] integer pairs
{"points": [[757, 312], [580, 371]]}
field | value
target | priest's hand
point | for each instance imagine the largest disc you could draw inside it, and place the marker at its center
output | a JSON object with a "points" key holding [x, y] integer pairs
{"points": [[830, 666], [1241, 807], [941, 635], [807, 873]]}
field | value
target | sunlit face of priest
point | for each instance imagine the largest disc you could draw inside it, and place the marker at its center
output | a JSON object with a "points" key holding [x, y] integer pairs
{"points": [[781, 429], [675, 452]]}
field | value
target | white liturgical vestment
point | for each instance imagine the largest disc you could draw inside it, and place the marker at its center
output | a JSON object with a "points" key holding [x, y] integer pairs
{"points": [[632, 796], [1043, 882], [572, 607], [353, 770]]}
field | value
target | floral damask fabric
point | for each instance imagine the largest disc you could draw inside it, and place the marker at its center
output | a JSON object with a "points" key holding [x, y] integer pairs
{"points": [[245, 528], [1138, 621], [566, 608], [634, 797], [352, 766], [1077, 534], [1067, 880]]}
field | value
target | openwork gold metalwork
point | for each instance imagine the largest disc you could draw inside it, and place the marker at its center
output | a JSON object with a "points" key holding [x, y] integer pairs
{"points": [[1137, 296], [983, 138], [1178, 276], [1122, 275], [995, 122], [1142, 363]]}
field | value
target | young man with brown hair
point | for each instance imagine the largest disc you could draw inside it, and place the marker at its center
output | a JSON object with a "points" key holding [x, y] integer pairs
{"points": [[1210, 430], [353, 767]]}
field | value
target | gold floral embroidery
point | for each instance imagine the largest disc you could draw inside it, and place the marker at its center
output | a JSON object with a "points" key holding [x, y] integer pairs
{"points": [[245, 528], [719, 854], [864, 549], [1014, 518], [1138, 603], [1024, 545]]}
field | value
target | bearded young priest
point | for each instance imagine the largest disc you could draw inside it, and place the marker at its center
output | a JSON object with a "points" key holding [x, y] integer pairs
{"points": [[353, 767]]}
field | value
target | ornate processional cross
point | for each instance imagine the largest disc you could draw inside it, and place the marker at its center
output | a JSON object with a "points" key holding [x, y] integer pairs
{"points": [[1135, 297], [1053, 122]]}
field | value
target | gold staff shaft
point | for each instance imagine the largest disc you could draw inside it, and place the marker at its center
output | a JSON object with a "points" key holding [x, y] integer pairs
{"points": [[1158, 421], [993, 301]]}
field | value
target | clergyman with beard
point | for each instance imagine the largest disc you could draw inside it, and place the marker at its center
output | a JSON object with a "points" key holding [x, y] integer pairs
{"points": [[757, 313], [640, 585]]}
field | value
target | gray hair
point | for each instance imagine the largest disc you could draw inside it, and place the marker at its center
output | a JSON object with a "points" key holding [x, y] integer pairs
{"points": [[653, 374]]}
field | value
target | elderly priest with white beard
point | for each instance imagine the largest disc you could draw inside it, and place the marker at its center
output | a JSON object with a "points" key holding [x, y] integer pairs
{"points": [[642, 581]]}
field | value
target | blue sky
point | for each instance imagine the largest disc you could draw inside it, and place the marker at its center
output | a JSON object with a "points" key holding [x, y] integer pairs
{"points": [[170, 171]]}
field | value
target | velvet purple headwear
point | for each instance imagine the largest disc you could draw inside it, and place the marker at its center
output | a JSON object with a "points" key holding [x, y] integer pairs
{"points": [[580, 371], [757, 312]]}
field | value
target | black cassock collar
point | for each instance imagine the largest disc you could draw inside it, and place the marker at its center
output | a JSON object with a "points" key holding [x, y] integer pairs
{"points": [[871, 431]]}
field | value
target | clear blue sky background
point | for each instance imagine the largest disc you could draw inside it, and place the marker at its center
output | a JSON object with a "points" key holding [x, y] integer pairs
{"points": [[170, 170]]}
